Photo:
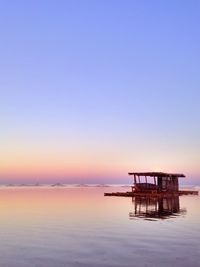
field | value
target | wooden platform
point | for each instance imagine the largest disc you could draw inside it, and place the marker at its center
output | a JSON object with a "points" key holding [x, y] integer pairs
{"points": [[152, 194]]}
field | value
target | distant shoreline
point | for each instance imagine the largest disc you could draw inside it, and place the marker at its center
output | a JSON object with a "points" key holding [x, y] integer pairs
{"points": [[62, 185]]}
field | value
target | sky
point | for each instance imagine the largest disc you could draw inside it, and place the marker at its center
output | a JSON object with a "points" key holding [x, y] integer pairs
{"points": [[93, 89]]}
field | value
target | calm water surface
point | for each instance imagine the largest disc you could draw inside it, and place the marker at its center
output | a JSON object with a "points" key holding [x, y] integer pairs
{"points": [[54, 227]]}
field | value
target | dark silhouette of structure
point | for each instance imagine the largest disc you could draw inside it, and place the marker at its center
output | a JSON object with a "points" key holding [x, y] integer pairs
{"points": [[162, 182]]}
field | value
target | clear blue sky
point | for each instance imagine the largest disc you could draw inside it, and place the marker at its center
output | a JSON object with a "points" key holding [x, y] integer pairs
{"points": [[90, 90]]}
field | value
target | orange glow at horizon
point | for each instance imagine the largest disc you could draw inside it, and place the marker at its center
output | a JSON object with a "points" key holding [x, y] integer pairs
{"points": [[46, 162]]}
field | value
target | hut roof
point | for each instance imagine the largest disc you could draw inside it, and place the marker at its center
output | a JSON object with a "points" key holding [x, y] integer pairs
{"points": [[157, 174]]}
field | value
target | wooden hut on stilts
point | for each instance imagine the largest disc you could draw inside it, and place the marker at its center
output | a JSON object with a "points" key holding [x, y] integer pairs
{"points": [[160, 182], [154, 184]]}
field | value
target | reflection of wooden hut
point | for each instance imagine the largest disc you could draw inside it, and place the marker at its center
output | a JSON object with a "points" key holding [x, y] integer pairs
{"points": [[156, 207], [161, 182]]}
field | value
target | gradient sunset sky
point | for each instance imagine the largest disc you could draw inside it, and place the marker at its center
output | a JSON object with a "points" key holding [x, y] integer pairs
{"points": [[90, 90]]}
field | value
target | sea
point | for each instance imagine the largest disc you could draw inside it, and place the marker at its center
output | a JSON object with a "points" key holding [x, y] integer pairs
{"points": [[77, 226]]}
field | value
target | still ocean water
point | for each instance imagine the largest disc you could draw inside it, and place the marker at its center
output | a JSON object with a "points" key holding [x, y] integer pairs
{"points": [[74, 226]]}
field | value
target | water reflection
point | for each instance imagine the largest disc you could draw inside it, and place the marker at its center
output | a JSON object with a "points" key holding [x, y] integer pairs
{"points": [[154, 208]]}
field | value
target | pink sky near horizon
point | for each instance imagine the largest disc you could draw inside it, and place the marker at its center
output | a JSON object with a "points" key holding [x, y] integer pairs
{"points": [[82, 174], [31, 158], [86, 160]]}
